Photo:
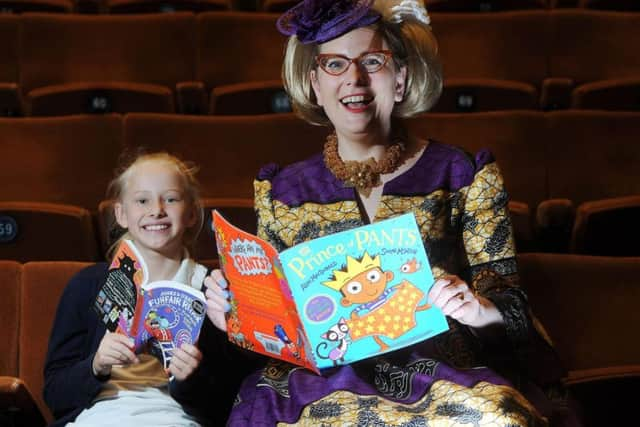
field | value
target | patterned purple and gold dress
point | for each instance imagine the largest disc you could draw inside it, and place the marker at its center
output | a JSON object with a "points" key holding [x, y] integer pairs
{"points": [[461, 208]]}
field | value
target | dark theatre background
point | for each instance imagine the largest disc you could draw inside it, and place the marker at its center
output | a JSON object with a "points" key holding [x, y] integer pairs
{"points": [[552, 87]]}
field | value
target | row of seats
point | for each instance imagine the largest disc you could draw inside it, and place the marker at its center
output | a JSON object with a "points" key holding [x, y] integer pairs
{"points": [[565, 291], [163, 6], [502, 5], [33, 231], [112, 6], [556, 165], [581, 156], [181, 62]]}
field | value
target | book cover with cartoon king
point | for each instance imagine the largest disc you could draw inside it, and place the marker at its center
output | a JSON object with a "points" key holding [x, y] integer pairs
{"points": [[352, 295], [158, 316]]}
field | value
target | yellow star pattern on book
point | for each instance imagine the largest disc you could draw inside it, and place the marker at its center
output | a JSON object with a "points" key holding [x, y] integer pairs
{"points": [[393, 318]]}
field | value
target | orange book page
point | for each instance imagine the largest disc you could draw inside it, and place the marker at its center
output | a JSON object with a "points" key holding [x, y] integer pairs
{"points": [[263, 317]]}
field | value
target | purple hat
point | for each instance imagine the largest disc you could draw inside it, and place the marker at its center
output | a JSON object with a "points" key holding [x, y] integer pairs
{"points": [[322, 20]]}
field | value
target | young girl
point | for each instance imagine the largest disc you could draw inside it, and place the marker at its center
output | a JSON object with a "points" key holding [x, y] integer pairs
{"points": [[93, 377]]}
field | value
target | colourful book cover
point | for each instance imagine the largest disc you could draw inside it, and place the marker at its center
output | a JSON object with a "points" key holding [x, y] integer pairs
{"points": [[158, 316], [333, 300]]}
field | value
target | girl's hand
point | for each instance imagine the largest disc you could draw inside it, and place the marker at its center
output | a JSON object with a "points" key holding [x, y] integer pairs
{"points": [[453, 296], [217, 299], [185, 360], [114, 349]]}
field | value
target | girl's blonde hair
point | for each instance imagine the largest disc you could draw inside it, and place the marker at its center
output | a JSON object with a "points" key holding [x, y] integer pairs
{"points": [[413, 46], [117, 186]]}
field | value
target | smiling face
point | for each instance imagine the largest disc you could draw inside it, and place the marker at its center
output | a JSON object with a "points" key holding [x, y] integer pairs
{"points": [[357, 102], [365, 287], [155, 209]]}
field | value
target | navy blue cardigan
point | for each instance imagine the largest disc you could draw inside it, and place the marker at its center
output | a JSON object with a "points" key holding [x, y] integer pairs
{"points": [[70, 385]]}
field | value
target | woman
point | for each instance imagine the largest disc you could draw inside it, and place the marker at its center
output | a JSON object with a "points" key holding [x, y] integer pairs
{"points": [[360, 68]]}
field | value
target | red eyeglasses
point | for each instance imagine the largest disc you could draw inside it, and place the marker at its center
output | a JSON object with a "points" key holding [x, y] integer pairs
{"points": [[335, 64]]}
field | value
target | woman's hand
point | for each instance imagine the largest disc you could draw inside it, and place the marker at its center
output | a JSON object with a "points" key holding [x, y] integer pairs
{"points": [[217, 299], [453, 296], [185, 360], [114, 349]]}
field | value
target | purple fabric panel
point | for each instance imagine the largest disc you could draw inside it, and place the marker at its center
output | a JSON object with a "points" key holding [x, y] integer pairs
{"points": [[440, 167], [306, 181], [483, 158], [263, 406]]}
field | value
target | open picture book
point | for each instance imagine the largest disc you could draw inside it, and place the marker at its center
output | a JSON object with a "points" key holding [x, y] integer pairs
{"points": [[158, 316], [329, 301]]}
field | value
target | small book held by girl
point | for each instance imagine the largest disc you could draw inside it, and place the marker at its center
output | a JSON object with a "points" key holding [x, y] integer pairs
{"points": [[158, 316]]}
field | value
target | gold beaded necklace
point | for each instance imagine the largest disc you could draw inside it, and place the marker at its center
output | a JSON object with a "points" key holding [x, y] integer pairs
{"points": [[362, 175]]}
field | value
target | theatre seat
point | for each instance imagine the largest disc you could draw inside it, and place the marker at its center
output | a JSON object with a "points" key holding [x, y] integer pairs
{"points": [[509, 46], [66, 160], [17, 404], [607, 227], [614, 94], [265, 97], [46, 232], [230, 150], [553, 4], [276, 6], [237, 47], [42, 286], [11, 104], [18, 407], [44, 6], [522, 223], [89, 6], [483, 5], [553, 222], [467, 95], [10, 99], [106, 62], [238, 211], [99, 98], [514, 137], [592, 155], [165, 6], [618, 5], [10, 279], [108, 229], [570, 57], [588, 305]]}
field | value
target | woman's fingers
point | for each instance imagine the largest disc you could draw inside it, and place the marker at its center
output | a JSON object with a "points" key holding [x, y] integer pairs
{"points": [[456, 302], [216, 281], [218, 300], [437, 287], [217, 297], [450, 290]]}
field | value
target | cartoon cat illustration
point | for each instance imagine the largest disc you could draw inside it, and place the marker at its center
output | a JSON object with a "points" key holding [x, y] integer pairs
{"points": [[337, 333]]}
